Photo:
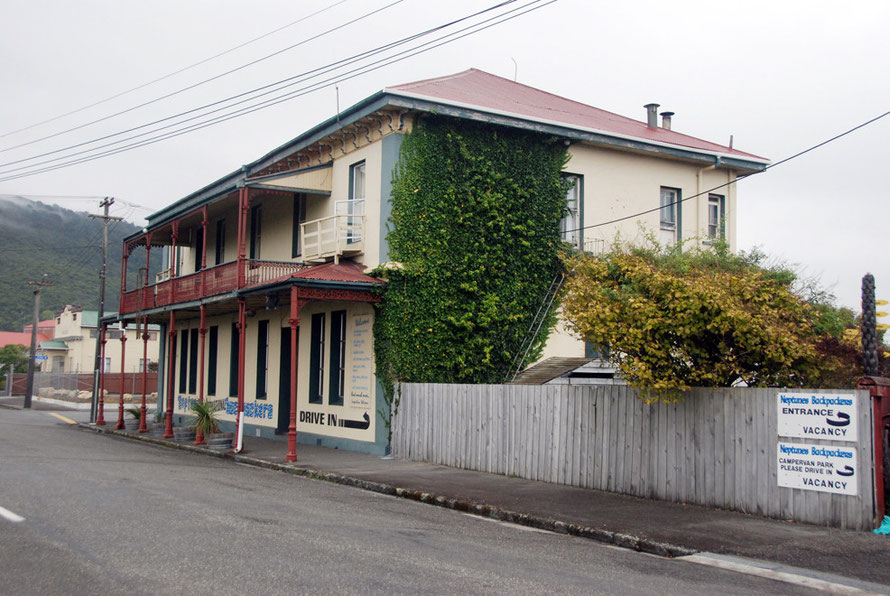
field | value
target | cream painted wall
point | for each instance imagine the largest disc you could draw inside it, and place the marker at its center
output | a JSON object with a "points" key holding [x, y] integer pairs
{"points": [[561, 342], [372, 156], [618, 184], [265, 411], [113, 351]]}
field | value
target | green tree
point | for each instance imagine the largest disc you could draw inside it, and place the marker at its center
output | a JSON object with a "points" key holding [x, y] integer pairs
{"points": [[677, 318], [14, 354], [475, 230]]}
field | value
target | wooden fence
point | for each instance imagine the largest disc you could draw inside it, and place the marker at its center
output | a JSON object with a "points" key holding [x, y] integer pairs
{"points": [[717, 447], [132, 382]]}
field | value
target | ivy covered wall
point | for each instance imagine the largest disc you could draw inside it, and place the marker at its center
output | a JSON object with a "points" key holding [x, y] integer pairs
{"points": [[475, 229]]}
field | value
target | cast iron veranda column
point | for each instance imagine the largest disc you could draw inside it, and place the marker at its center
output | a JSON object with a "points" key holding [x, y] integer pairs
{"points": [[294, 321], [100, 417], [202, 331], [168, 431], [242, 345], [145, 337], [120, 406]]}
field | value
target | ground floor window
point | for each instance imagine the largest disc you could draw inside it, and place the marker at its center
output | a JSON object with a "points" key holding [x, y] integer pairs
{"points": [[193, 361], [337, 387], [262, 359], [213, 351], [316, 359], [233, 360], [183, 360]]}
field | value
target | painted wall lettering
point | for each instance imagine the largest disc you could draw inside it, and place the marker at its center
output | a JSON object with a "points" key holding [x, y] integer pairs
{"points": [[360, 392], [312, 417], [251, 409]]}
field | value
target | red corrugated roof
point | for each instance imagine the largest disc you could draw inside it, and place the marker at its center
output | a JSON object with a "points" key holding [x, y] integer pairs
{"points": [[47, 324], [345, 271], [487, 92], [14, 337]]}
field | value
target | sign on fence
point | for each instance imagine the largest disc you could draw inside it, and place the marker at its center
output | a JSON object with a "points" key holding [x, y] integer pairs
{"points": [[826, 468], [811, 416]]}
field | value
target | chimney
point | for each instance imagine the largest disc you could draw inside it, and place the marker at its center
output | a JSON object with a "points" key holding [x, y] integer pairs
{"points": [[651, 114], [666, 120]]}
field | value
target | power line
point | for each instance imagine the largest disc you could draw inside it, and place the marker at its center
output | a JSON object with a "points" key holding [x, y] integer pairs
{"points": [[739, 179], [268, 89], [198, 84], [291, 95], [174, 73]]}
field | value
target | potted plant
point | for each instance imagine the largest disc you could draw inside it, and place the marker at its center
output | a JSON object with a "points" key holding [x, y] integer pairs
{"points": [[206, 418], [157, 427], [132, 423]]}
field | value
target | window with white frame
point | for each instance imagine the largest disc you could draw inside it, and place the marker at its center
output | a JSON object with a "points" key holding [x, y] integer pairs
{"points": [[357, 181], [570, 224], [355, 206], [716, 216], [669, 208]]}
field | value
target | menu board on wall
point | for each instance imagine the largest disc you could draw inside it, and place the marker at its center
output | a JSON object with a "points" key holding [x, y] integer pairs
{"points": [[362, 358]]}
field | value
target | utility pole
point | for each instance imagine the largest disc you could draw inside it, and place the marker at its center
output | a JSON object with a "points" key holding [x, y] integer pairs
{"points": [[105, 203], [30, 390]]}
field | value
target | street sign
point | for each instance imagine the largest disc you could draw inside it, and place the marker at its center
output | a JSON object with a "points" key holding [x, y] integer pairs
{"points": [[41, 357]]}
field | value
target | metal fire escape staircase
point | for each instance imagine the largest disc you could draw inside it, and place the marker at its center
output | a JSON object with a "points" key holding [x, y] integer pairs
{"points": [[543, 310]]}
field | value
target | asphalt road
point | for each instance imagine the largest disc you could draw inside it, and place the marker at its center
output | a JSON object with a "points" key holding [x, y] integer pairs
{"points": [[106, 515]]}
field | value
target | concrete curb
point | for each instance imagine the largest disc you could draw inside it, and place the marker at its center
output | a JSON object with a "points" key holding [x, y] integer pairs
{"points": [[619, 539]]}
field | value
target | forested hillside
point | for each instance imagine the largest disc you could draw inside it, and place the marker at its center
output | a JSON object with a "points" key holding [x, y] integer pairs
{"points": [[36, 238]]}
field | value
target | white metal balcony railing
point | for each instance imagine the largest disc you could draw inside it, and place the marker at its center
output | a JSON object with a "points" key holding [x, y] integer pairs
{"points": [[595, 246], [336, 235]]}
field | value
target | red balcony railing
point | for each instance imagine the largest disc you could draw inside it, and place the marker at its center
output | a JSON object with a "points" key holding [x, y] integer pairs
{"points": [[209, 282]]}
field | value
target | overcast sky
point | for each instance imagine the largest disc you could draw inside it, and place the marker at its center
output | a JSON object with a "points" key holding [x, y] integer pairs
{"points": [[779, 76]]}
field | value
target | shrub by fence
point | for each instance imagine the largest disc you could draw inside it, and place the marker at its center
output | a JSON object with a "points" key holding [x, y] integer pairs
{"points": [[718, 447]]}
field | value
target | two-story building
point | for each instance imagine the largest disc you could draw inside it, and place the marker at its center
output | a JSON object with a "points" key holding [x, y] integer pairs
{"points": [[72, 346], [264, 298]]}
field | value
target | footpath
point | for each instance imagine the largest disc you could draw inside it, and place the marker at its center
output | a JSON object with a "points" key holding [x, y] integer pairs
{"points": [[837, 560]]}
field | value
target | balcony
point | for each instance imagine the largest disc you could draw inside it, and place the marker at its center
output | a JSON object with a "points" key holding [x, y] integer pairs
{"points": [[333, 237], [209, 282]]}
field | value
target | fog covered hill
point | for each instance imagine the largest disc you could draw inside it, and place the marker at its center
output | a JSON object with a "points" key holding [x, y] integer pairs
{"points": [[36, 238]]}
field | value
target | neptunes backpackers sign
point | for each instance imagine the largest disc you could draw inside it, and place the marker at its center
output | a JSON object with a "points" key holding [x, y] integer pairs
{"points": [[811, 416], [825, 468]]}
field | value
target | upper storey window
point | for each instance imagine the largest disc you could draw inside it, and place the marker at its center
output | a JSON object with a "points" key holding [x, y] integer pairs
{"points": [[716, 217], [570, 225], [669, 214]]}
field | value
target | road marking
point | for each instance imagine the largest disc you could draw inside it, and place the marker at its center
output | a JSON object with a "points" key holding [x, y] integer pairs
{"points": [[62, 418], [10, 516], [783, 573]]}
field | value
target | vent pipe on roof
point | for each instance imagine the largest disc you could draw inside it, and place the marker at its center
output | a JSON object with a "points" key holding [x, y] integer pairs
{"points": [[666, 120], [651, 114]]}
